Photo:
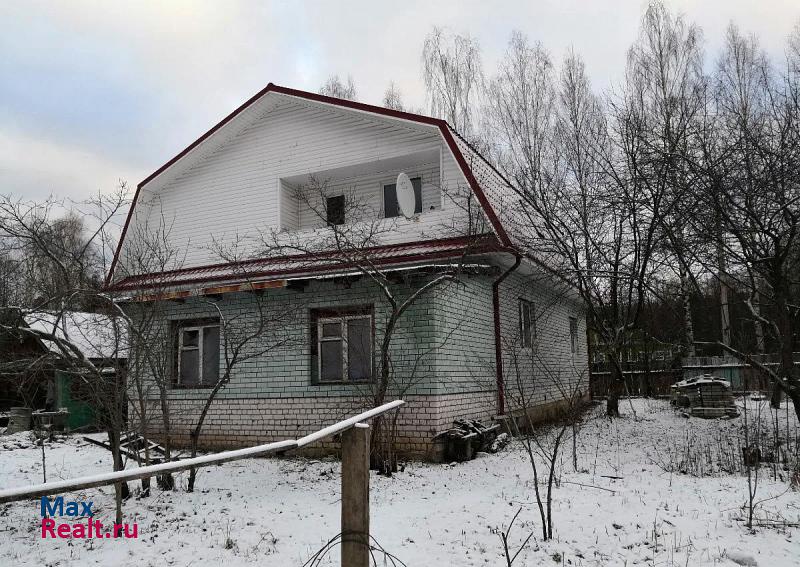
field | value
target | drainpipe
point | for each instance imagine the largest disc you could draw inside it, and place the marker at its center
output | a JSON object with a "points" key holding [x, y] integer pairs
{"points": [[498, 346]]}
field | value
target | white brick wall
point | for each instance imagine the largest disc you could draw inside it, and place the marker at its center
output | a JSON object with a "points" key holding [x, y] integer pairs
{"points": [[271, 397]]}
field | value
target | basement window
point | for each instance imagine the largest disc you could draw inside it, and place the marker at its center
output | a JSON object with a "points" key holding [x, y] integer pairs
{"points": [[391, 208], [197, 354], [334, 209], [527, 323], [342, 344]]}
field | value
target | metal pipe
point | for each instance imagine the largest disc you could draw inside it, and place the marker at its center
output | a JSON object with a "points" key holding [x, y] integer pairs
{"points": [[37, 490], [498, 345]]}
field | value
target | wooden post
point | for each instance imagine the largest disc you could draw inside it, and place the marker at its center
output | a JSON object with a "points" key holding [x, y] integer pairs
{"points": [[355, 496]]}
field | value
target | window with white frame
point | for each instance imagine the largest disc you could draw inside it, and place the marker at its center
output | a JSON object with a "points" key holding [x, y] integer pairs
{"points": [[343, 345], [527, 323], [197, 357]]}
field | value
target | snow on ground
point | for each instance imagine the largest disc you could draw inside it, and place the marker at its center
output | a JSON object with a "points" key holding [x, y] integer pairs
{"points": [[280, 511]]}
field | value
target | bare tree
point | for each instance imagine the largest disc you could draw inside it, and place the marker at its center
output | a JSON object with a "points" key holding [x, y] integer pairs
{"points": [[149, 250], [336, 88], [350, 245], [451, 69], [63, 255], [393, 98], [243, 336], [93, 352], [665, 66], [520, 113], [749, 146], [535, 377]]}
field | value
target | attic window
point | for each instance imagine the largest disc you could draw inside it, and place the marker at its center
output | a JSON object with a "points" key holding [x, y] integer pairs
{"points": [[334, 207], [390, 207]]}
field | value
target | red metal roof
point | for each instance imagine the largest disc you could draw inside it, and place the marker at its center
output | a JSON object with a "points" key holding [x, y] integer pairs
{"points": [[308, 265]]}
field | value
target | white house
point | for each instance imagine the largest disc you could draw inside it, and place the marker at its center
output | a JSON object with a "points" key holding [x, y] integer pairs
{"points": [[282, 168]]}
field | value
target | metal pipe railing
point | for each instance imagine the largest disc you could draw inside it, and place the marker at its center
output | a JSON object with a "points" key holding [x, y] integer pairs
{"points": [[38, 490]]}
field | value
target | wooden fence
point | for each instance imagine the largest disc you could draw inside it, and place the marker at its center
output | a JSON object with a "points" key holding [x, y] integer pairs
{"points": [[355, 477]]}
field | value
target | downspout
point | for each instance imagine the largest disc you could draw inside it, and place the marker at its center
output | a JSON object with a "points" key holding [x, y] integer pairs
{"points": [[498, 345]]}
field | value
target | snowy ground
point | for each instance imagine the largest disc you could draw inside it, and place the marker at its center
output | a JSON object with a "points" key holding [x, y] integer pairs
{"points": [[280, 511]]}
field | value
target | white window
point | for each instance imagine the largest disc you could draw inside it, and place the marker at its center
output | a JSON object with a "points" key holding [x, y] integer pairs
{"points": [[573, 335], [344, 347], [527, 323], [198, 355]]}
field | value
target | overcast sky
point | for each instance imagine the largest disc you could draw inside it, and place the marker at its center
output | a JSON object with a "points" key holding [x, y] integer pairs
{"points": [[91, 92]]}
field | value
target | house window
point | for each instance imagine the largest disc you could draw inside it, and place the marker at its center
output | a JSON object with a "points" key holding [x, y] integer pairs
{"points": [[573, 335], [342, 344], [334, 207], [390, 206], [527, 323], [198, 354]]}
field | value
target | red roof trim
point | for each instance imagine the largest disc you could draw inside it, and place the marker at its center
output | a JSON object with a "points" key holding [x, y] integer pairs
{"points": [[271, 87], [485, 245], [467, 170]]}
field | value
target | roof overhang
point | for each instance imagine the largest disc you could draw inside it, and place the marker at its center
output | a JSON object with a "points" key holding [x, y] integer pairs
{"points": [[264, 273]]}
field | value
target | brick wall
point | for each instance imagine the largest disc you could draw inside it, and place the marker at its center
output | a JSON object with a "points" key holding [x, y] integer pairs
{"points": [[443, 354], [241, 423]]}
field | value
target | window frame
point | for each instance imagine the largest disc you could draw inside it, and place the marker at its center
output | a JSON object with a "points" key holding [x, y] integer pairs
{"points": [[573, 336], [328, 221], [180, 328], [320, 317], [399, 214], [530, 307]]}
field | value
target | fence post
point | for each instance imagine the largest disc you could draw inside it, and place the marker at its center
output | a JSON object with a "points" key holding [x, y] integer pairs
{"points": [[355, 496]]}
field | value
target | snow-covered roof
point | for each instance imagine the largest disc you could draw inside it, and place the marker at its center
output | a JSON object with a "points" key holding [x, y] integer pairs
{"points": [[96, 336], [699, 380]]}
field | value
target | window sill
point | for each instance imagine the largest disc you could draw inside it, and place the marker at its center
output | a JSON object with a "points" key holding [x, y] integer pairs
{"points": [[192, 387]]}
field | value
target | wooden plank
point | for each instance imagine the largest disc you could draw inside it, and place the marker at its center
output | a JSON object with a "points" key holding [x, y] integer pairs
{"points": [[355, 496]]}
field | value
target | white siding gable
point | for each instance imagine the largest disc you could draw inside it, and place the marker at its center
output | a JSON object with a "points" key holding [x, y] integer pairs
{"points": [[238, 189]]}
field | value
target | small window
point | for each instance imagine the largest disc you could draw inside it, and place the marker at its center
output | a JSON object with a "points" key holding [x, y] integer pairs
{"points": [[334, 208], [342, 345], [527, 323], [573, 335], [390, 206], [198, 354]]}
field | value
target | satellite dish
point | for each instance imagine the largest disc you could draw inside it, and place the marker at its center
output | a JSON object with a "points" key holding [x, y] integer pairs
{"points": [[406, 200]]}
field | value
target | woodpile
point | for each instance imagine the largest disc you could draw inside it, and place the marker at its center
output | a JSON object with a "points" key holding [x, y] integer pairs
{"points": [[704, 396], [467, 437]]}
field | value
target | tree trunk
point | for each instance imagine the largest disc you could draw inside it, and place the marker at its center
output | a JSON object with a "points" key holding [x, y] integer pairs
{"points": [[688, 326], [775, 397], [784, 320], [166, 481], [146, 481], [382, 456], [615, 388], [121, 491]]}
